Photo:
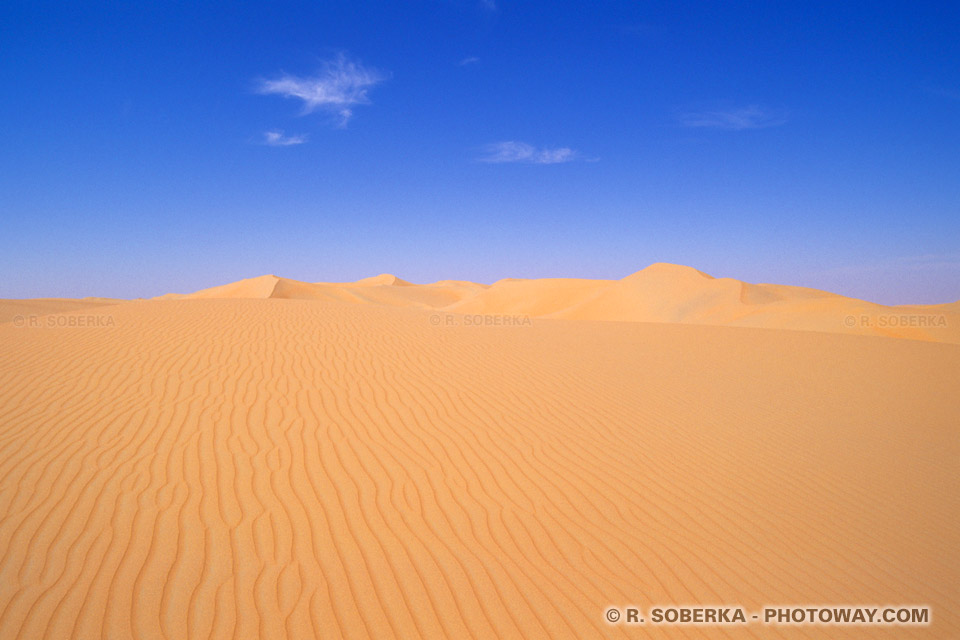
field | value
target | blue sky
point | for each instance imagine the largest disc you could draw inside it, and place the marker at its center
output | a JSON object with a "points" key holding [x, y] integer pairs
{"points": [[157, 147]]}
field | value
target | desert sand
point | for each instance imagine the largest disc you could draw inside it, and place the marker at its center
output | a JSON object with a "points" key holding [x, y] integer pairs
{"points": [[659, 293], [33, 309], [281, 459]]}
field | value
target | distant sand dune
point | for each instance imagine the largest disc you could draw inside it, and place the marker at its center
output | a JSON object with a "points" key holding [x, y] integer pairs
{"points": [[384, 290], [24, 309], [659, 293], [384, 279], [272, 459], [671, 293]]}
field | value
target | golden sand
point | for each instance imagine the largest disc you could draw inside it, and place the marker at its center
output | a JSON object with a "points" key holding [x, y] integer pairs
{"points": [[274, 459]]}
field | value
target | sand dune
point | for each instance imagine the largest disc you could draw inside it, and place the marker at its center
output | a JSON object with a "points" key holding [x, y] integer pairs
{"points": [[385, 289], [299, 468], [384, 279], [677, 294], [282, 459], [36, 307], [659, 293]]}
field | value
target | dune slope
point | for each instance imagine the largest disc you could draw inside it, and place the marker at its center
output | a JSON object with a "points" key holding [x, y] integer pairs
{"points": [[659, 293], [677, 294], [30, 311], [282, 468]]}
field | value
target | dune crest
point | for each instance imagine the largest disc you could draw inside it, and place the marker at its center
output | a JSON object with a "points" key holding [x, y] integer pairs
{"points": [[384, 279], [661, 292]]}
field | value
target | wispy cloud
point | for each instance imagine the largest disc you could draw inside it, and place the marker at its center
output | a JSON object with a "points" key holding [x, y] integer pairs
{"points": [[511, 151], [276, 138], [737, 119], [469, 60], [340, 85], [489, 5]]}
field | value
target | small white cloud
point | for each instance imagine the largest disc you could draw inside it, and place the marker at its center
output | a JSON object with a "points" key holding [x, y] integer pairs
{"points": [[276, 138], [511, 151], [739, 119], [341, 84], [469, 60]]}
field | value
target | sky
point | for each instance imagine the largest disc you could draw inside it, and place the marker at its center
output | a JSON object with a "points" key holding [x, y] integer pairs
{"points": [[156, 147]]}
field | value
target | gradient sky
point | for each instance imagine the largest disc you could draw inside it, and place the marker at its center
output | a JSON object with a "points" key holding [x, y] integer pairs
{"points": [[159, 147]]}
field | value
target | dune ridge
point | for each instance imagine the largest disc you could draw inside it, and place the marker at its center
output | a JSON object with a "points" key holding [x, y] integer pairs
{"points": [[659, 293]]}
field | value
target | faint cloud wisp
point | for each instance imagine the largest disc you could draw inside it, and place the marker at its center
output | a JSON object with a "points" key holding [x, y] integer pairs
{"points": [[276, 138], [738, 119], [341, 85], [511, 151]]}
